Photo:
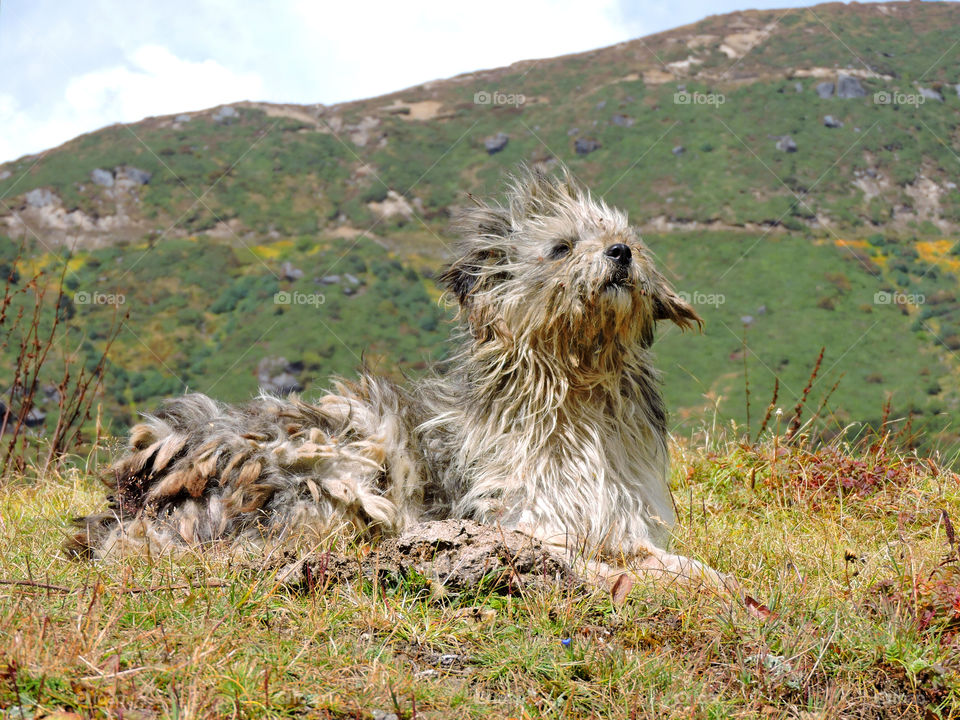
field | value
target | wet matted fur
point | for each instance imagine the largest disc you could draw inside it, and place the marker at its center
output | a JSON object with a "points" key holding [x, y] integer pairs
{"points": [[547, 419]]}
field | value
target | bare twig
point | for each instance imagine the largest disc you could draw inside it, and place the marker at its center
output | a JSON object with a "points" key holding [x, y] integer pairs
{"points": [[122, 591]]}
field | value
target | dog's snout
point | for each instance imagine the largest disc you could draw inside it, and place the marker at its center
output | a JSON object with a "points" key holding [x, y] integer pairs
{"points": [[619, 253]]}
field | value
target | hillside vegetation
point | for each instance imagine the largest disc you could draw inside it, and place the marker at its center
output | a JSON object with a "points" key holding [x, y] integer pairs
{"points": [[843, 238]]}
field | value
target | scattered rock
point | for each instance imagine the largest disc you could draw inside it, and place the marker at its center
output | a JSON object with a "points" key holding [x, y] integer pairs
{"points": [[849, 87], [496, 143], [290, 272], [183, 118], [679, 150], [956, 87], [601, 105], [576, 131], [825, 90], [798, 86], [102, 177], [132, 175], [330, 279], [276, 375], [931, 94], [383, 715], [831, 122], [40, 197], [621, 120], [584, 146], [284, 384], [394, 204], [225, 114], [4, 174], [51, 393], [454, 555], [35, 417], [352, 279], [786, 144], [746, 319], [348, 291]]}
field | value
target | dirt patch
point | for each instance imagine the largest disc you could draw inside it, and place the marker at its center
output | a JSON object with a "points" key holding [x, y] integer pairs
{"points": [[453, 555], [422, 110]]}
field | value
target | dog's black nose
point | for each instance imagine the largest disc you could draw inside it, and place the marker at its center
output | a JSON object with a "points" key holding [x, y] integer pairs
{"points": [[619, 253]]}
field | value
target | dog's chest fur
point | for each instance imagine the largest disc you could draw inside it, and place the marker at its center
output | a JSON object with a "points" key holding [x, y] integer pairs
{"points": [[580, 466]]}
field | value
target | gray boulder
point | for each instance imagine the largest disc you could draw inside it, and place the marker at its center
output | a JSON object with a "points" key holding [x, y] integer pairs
{"points": [[182, 118], [576, 131], [225, 114], [798, 86], [849, 87], [957, 88], [679, 150], [134, 175], [35, 417], [291, 272], [496, 143], [931, 94], [601, 105], [585, 146], [621, 120], [825, 90], [276, 375], [40, 197], [102, 177], [786, 144], [284, 384], [330, 279], [831, 122]]}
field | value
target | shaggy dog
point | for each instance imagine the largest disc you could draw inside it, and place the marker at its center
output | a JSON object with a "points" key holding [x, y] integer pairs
{"points": [[547, 419]]}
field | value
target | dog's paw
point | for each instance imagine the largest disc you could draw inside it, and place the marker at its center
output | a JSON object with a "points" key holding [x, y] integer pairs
{"points": [[683, 569]]}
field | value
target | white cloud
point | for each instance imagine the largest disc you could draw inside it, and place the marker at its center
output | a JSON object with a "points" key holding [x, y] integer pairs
{"points": [[387, 46], [155, 82], [151, 81]]}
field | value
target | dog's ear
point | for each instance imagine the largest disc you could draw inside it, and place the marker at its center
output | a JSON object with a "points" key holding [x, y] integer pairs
{"points": [[669, 305], [483, 232]]}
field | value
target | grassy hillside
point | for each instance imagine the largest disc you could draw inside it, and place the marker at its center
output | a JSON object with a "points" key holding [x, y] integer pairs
{"points": [[192, 218]]}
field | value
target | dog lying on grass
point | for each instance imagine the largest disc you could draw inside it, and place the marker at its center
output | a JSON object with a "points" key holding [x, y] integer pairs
{"points": [[547, 418]]}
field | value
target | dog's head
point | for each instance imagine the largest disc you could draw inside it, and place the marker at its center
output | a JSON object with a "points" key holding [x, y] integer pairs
{"points": [[555, 266]]}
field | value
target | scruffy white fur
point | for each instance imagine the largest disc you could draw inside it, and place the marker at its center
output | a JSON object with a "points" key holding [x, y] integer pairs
{"points": [[547, 418]]}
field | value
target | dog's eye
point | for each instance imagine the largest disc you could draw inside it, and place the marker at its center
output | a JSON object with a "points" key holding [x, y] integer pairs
{"points": [[560, 250]]}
